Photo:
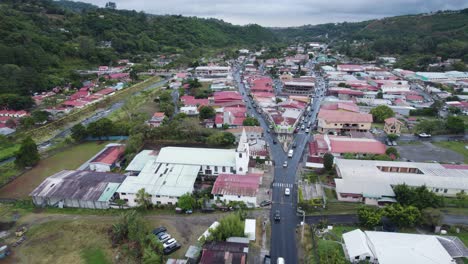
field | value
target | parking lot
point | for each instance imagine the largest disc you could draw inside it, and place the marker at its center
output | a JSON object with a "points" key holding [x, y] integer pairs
{"points": [[425, 151]]}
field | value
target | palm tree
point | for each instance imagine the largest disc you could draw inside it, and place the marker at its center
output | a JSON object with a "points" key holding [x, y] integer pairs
{"points": [[143, 199]]}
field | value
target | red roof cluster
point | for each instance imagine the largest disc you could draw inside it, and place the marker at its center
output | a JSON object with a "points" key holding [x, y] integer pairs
{"points": [[336, 116], [227, 96], [264, 84], [189, 100]]}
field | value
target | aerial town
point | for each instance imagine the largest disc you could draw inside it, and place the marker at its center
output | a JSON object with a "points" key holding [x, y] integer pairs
{"points": [[300, 152]]}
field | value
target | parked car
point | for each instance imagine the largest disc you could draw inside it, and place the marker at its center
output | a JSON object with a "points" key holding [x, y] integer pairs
{"points": [[277, 216], [169, 242], [164, 237], [294, 145], [394, 143], [265, 203], [287, 191], [158, 230], [424, 135], [307, 130], [168, 250]]}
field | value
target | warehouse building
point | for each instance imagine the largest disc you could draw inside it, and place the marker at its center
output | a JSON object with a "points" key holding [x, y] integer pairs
{"points": [[80, 189]]}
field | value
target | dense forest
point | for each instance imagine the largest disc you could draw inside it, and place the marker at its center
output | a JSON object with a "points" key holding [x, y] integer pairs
{"points": [[417, 38], [42, 42]]}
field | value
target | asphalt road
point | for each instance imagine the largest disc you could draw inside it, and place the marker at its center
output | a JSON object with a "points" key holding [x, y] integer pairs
{"points": [[283, 240]]}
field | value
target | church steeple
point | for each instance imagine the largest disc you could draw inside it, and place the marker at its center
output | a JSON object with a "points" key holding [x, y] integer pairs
{"points": [[242, 154]]}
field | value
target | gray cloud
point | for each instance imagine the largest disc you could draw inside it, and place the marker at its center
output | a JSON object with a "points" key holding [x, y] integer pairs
{"points": [[287, 13]]}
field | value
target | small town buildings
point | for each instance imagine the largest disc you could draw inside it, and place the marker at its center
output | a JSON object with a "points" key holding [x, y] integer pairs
{"points": [[390, 247], [107, 159], [79, 189], [140, 160], [392, 126], [252, 132], [343, 117], [350, 68], [237, 188], [340, 145], [157, 119], [303, 86], [174, 171], [212, 71], [371, 181]]}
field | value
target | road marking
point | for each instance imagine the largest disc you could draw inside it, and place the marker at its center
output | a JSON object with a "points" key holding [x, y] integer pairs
{"points": [[280, 184]]}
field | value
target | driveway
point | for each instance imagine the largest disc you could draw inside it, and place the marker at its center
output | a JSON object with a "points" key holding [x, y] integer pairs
{"points": [[425, 151]]}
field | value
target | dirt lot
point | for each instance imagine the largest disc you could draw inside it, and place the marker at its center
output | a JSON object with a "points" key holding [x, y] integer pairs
{"points": [[64, 238], [70, 158], [428, 152]]}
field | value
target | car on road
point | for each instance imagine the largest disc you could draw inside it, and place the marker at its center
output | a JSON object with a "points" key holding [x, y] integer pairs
{"points": [[307, 130], [388, 142], [394, 143], [265, 203], [274, 141], [302, 127], [294, 145], [285, 164], [277, 216], [268, 130], [158, 230], [287, 191], [424, 135]]}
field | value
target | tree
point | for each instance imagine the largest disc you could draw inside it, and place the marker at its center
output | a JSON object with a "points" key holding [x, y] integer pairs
{"points": [[381, 112], [402, 216], [369, 217], [206, 112], [186, 202], [40, 116], [27, 122], [27, 155], [221, 139], [392, 151], [462, 199], [431, 217], [379, 95], [251, 121], [229, 226], [419, 197], [455, 124], [328, 161], [79, 132], [392, 137], [101, 128], [278, 100], [143, 199], [134, 75]]}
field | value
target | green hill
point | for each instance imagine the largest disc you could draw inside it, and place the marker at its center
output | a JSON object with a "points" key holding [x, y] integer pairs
{"points": [[42, 41]]}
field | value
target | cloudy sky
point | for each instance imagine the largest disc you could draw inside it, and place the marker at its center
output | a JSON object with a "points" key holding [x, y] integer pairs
{"points": [[286, 12]]}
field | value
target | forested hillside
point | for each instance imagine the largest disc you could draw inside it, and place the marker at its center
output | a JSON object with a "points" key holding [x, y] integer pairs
{"points": [[417, 37], [42, 42]]}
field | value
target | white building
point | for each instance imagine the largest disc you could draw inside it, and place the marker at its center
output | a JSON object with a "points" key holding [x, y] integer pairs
{"points": [[391, 248], [212, 71], [371, 181], [174, 171], [107, 158]]}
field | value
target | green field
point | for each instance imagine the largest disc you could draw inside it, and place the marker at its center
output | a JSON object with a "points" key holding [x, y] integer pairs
{"points": [[70, 159], [455, 146], [8, 151], [7, 171]]}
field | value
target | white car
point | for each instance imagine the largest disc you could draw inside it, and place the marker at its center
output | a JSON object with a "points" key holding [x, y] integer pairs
{"points": [[170, 242], [424, 135], [285, 164], [307, 130], [287, 191]]}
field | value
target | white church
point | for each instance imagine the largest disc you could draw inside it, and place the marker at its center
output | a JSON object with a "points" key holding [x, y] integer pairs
{"points": [[172, 173]]}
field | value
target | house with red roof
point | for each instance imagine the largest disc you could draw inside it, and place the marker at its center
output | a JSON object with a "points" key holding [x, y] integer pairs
{"points": [[190, 101], [231, 116], [340, 145], [350, 68], [414, 98], [107, 159], [237, 188], [227, 97], [105, 91], [121, 76], [262, 84], [344, 119], [157, 119], [345, 93]]}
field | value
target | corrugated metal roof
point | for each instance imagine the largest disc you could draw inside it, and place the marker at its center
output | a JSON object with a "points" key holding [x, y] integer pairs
{"points": [[197, 156]]}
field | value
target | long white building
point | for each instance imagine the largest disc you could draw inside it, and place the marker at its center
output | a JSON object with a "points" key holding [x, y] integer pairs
{"points": [[174, 171], [371, 181]]}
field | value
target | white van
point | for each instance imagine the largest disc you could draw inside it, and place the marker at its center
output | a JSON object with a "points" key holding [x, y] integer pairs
{"points": [[290, 153], [280, 260]]}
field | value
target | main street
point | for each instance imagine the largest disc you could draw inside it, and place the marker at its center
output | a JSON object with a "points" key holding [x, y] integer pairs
{"points": [[283, 235]]}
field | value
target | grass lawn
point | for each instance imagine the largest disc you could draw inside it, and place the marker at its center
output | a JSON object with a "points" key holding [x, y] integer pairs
{"points": [[8, 151], [455, 146], [7, 171], [378, 125], [70, 159], [66, 241]]}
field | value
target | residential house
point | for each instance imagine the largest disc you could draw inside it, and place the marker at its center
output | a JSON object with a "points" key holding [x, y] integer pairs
{"points": [[392, 126], [342, 117], [340, 145], [157, 119]]}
